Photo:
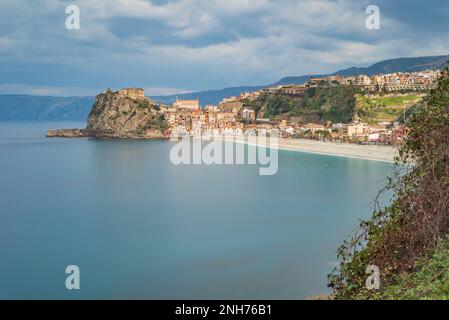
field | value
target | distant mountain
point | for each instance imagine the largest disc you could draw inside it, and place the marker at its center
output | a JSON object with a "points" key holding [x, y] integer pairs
{"points": [[398, 65], [295, 80], [21, 107], [387, 66], [208, 97]]}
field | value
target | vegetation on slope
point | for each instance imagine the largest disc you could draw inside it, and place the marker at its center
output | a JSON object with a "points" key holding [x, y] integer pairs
{"points": [[373, 109], [430, 281], [407, 240], [319, 104], [335, 104], [271, 106]]}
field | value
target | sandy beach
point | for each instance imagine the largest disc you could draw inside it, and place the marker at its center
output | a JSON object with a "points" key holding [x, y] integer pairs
{"points": [[368, 152], [349, 150]]}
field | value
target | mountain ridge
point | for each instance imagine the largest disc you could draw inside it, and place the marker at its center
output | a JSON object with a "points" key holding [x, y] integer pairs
{"points": [[29, 107], [410, 64], [18, 107]]}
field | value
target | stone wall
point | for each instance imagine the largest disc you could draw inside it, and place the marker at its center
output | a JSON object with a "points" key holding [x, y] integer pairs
{"points": [[133, 93]]}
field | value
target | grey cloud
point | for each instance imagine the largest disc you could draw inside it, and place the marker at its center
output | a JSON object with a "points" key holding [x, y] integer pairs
{"points": [[205, 44]]}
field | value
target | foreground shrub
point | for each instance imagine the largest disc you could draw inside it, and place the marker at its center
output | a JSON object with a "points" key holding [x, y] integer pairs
{"points": [[398, 237]]}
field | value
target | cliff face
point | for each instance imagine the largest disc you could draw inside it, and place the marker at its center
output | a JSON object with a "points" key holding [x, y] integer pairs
{"points": [[122, 114], [125, 112]]}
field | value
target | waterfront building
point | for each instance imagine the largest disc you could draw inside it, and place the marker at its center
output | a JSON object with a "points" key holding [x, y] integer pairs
{"points": [[313, 127], [357, 129]]}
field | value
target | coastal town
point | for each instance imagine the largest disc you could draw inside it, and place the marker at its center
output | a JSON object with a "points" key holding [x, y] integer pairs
{"points": [[233, 117]]}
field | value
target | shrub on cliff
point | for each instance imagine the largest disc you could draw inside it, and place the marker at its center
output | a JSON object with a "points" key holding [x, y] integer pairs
{"points": [[335, 104], [399, 237], [429, 281], [319, 104]]}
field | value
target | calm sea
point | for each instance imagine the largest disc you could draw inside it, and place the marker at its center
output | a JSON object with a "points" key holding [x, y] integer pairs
{"points": [[139, 227]]}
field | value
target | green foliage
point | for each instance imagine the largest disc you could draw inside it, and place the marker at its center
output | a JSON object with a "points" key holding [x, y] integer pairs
{"points": [[278, 104], [400, 239], [156, 122], [271, 105], [323, 133], [95, 111], [319, 104], [335, 104], [430, 280], [384, 108], [143, 104]]}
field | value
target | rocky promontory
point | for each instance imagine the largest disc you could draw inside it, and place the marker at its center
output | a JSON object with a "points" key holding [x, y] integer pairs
{"points": [[122, 114]]}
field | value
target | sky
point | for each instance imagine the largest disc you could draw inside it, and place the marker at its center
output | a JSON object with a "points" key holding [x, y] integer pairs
{"points": [[176, 46]]}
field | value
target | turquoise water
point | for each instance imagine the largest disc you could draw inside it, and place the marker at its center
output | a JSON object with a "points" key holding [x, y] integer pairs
{"points": [[139, 227]]}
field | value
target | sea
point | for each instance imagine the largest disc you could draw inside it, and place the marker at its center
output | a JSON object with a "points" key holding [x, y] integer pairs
{"points": [[136, 226]]}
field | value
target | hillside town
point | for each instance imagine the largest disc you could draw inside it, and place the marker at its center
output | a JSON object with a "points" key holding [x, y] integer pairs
{"points": [[231, 117]]}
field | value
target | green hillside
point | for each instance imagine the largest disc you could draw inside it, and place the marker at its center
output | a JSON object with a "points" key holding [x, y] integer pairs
{"points": [[337, 104], [319, 104], [373, 109], [429, 281], [411, 64]]}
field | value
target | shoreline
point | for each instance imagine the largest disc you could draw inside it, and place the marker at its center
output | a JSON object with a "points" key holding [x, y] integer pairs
{"points": [[346, 150]]}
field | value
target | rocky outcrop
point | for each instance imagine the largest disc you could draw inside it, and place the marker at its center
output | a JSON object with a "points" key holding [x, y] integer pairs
{"points": [[81, 133], [126, 113], [67, 133]]}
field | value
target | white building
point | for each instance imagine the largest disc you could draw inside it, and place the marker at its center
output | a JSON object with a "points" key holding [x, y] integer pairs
{"points": [[187, 104], [357, 129]]}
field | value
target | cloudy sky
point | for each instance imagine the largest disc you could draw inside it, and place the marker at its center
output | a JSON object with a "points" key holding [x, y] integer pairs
{"points": [[189, 45]]}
